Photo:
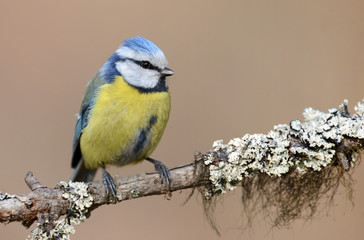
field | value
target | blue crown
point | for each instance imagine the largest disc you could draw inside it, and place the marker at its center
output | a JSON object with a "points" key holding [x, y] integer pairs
{"points": [[141, 44]]}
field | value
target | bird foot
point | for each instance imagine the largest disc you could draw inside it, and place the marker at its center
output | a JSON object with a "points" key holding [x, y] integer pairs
{"points": [[109, 186], [162, 170]]}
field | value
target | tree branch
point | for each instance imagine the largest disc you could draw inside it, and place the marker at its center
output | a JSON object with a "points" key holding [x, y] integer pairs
{"points": [[325, 143], [42, 200]]}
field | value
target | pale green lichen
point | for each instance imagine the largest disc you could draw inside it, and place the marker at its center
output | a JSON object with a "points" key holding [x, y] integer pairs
{"points": [[274, 154], [4, 196], [134, 193], [80, 202], [119, 197], [62, 230]]}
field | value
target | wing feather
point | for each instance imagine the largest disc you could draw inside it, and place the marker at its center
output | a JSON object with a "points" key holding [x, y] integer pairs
{"points": [[87, 104]]}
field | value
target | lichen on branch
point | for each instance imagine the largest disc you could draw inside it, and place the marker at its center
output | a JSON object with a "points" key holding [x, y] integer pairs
{"points": [[292, 166], [283, 174], [300, 146], [80, 201]]}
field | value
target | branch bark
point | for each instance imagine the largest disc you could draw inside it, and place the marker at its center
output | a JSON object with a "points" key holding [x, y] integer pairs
{"points": [[43, 201], [322, 149]]}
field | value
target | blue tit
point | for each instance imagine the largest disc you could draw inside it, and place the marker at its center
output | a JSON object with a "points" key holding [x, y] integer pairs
{"points": [[124, 113]]}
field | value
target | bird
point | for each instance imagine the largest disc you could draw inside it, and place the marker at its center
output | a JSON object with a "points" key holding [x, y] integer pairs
{"points": [[123, 114]]}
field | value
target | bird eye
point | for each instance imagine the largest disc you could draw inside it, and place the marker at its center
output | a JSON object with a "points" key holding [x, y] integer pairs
{"points": [[145, 64]]}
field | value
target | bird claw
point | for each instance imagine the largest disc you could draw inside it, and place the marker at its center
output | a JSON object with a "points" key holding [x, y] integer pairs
{"points": [[162, 170], [109, 185]]}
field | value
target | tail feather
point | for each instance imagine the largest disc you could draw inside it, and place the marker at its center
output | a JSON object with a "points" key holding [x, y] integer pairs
{"points": [[82, 174]]}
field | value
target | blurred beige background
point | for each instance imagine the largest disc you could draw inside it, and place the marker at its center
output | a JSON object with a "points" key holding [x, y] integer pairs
{"points": [[241, 67]]}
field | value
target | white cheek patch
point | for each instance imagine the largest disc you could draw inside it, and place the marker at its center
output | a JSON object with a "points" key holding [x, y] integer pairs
{"points": [[136, 75]]}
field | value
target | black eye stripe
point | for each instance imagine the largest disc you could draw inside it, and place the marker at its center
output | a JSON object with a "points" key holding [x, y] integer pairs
{"points": [[145, 64]]}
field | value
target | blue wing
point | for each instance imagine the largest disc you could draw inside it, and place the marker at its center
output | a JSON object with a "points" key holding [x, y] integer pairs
{"points": [[87, 104]]}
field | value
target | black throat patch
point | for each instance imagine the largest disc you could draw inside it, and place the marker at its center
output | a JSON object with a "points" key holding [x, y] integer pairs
{"points": [[161, 87]]}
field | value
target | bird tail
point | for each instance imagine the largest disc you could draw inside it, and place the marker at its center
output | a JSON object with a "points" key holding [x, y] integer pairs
{"points": [[82, 174]]}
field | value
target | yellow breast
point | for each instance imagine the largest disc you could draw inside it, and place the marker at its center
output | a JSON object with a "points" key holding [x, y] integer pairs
{"points": [[124, 124]]}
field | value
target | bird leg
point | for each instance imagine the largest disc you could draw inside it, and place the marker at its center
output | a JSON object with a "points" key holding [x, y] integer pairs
{"points": [[162, 170], [109, 185]]}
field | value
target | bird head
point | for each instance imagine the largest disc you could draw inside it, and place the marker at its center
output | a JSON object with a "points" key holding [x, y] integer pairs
{"points": [[141, 63]]}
